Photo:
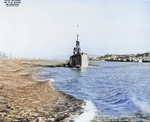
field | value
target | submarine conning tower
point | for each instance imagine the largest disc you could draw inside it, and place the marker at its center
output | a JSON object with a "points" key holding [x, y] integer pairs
{"points": [[78, 59], [77, 49]]}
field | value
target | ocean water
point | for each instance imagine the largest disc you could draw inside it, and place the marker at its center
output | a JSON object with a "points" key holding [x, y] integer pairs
{"points": [[116, 89]]}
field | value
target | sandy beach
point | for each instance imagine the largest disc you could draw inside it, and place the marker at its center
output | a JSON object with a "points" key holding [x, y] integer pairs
{"points": [[22, 99]]}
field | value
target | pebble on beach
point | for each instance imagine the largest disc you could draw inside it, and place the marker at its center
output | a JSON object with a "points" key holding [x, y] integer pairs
{"points": [[22, 99]]}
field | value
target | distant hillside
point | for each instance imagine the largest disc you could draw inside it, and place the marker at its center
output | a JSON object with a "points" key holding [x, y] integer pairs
{"points": [[142, 57]]}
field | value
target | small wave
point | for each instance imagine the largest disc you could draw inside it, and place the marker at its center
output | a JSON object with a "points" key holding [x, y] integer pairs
{"points": [[142, 105], [43, 80], [89, 113], [94, 66]]}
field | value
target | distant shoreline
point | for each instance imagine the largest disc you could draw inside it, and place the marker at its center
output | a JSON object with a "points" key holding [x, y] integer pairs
{"points": [[143, 57], [121, 61]]}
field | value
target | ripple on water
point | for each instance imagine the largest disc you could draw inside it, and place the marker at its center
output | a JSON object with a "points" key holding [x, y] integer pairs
{"points": [[115, 88]]}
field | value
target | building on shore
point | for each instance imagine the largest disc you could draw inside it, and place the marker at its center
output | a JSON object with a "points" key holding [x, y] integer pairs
{"points": [[3, 55]]}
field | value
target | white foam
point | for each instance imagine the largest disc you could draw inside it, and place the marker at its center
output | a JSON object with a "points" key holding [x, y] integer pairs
{"points": [[51, 80], [95, 66], [142, 105], [89, 113]]}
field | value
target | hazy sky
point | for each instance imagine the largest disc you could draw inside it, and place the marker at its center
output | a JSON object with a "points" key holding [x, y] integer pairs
{"points": [[44, 28]]}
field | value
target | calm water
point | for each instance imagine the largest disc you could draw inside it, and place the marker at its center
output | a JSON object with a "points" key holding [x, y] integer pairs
{"points": [[115, 88]]}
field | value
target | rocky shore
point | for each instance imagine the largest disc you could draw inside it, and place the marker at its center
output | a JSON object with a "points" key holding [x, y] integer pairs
{"points": [[22, 99]]}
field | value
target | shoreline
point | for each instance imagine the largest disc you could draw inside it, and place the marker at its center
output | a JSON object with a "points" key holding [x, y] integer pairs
{"points": [[22, 99], [122, 61]]}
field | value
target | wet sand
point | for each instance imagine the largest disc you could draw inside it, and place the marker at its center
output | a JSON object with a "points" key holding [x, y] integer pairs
{"points": [[22, 99]]}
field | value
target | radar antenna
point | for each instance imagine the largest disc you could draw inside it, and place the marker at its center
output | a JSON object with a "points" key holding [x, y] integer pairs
{"points": [[77, 49]]}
